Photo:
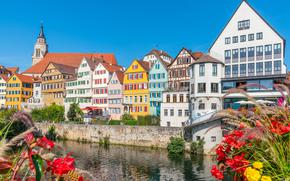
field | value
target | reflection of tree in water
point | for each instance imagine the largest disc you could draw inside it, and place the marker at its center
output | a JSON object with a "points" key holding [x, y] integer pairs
{"points": [[122, 163], [198, 161]]}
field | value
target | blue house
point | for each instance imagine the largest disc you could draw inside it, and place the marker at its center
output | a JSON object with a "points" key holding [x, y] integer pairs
{"points": [[158, 82]]}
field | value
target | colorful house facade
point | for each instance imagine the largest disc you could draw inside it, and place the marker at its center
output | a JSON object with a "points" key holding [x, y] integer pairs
{"points": [[19, 90], [115, 95], [53, 83], [79, 89], [102, 74], [3, 85], [136, 90], [158, 82]]}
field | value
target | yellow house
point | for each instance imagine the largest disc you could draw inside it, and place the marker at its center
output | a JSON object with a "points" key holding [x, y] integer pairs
{"points": [[19, 90], [136, 90]]}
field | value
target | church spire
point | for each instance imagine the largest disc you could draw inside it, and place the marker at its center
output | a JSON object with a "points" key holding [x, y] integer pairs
{"points": [[41, 33]]}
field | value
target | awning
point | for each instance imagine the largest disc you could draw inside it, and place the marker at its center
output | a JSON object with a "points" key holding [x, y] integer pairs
{"points": [[91, 108]]}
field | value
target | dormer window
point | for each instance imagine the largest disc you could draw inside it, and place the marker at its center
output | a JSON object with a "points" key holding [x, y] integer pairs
{"points": [[244, 25]]}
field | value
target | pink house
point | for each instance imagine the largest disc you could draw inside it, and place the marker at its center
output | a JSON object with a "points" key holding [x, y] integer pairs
{"points": [[115, 95]]}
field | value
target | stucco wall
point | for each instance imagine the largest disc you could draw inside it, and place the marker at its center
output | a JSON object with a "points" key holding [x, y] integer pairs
{"points": [[151, 136]]}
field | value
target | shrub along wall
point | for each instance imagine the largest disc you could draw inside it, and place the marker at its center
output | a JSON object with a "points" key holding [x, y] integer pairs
{"points": [[150, 136]]}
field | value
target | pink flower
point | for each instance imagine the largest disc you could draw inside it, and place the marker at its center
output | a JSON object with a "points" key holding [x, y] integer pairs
{"points": [[45, 143], [29, 138]]}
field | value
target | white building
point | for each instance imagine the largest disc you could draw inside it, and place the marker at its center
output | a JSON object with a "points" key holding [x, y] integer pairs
{"points": [[253, 53], [155, 55], [3, 85], [101, 76], [205, 86], [79, 89], [35, 102], [40, 47], [174, 109]]}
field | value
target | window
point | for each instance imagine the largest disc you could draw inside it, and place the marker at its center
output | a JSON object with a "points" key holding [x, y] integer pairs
{"points": [[171, 112], [201, 87], [174, 98], [165, 112], [235, 39], [235, 69], [235, 53], [251, 37], [251, 52], [268, 50], [277, 65], [179, 112], [227, 40], [259, 36], [267, 84], [277, 49], [243, 53], [201, 70], [197, 138], [244, 25], [228, 85], [37, 52], [259, 67], [228, 55], [186, 113], [214, 87], [243, 69], [251, 68], [168, 124], [259, 51], [201, 106], [181, 98], [167, 98], [214, 69], [213, 106], [243, 38], [268, 66], [228, 70], [213, 139]]}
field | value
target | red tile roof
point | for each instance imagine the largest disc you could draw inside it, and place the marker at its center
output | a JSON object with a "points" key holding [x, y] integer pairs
{"points": [[65, 69], [24, 78], [13, 69], [112, 68], [207, 59], [71, 59], [120, 76], [145, 65], [4, 77]]}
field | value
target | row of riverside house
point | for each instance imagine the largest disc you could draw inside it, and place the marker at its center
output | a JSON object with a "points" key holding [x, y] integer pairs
{"points": [[183, 90]]}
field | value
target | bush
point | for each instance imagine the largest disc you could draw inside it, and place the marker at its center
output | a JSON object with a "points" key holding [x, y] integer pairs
{"points": [[127, 117], [148, 120], [74, 113], [51, 133], [176, 145], [130, 122], [53, 113], [114, 122], [196, 147]]}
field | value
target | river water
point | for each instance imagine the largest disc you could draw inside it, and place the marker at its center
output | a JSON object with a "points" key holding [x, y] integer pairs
{"points": [[122, 163]]}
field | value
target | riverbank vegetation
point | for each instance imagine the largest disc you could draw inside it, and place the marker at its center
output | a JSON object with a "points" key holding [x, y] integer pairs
{"points": [[53, 113], [259, 148], [176, 145]]}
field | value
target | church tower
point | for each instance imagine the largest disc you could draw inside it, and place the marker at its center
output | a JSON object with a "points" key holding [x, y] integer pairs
{"points": [[40, 47]]}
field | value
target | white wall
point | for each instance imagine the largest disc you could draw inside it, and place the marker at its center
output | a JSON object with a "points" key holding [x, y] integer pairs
{"points": [[2, 93]]}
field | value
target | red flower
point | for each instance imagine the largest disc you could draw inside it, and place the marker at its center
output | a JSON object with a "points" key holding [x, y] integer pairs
{"points": [[217, 173], [62, 166], [29, 138], [45, 143], [279, 128], [238, 163], [259, 124]]}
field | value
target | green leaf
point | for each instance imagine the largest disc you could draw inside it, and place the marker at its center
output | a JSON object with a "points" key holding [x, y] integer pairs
{"points": [[37, 161]]}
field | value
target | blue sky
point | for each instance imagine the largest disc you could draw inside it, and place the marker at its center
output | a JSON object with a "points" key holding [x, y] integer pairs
{"points": [[127, 28]]}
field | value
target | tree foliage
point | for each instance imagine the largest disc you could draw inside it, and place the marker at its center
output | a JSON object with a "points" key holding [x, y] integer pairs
{"points": [[74, 113], [53, 113]]}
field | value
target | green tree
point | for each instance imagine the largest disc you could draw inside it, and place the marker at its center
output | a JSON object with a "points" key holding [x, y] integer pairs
{"points": [[74, 113]]}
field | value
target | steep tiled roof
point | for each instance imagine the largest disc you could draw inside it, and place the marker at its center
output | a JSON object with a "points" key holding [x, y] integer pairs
{"points": [[112, 68], [4, 77], [159, 52], [120, 76], [24, 78], [207, 59], [65, 69], [196, 55], [13, 69], [71, 59], [145, 65]]}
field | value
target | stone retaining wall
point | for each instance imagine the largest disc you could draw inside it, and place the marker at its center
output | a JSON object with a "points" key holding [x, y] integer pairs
{"points": [[149, 136]]}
